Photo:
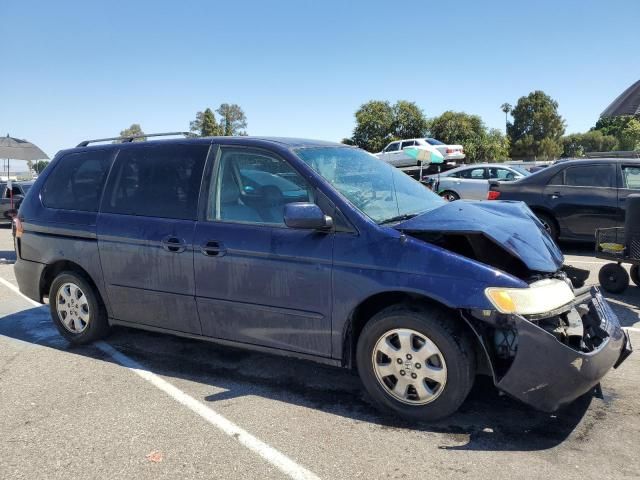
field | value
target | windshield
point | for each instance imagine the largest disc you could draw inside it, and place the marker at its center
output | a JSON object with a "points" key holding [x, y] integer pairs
{"points": [[433, 141], [374, 187]]}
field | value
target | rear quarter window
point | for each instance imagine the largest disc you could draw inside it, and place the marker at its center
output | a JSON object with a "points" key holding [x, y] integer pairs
{"points": [[77, 181], [557, 179]]}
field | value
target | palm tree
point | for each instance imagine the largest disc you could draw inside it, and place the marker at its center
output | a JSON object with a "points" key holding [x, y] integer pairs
{"points": [[506, 108]]}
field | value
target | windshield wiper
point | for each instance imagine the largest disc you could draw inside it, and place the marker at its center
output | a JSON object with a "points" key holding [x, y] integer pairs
{"points": [[399, 218]]}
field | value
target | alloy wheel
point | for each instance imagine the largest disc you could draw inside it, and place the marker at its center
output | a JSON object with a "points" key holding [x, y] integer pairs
{"points": [[409, 366], [72, 306]]}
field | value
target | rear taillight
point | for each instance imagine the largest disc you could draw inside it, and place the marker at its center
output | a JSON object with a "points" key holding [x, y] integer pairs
{"points": [[451, 150], [493, 195], [18, 226]]}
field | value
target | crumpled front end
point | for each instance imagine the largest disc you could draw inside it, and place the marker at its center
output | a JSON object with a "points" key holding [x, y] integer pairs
{"points": [[550, 360]]}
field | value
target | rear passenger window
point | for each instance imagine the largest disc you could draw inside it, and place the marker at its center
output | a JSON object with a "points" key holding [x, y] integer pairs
{"points": [[590, 176], [77, 180], [410, 143], [473, 173], [158, 181]]}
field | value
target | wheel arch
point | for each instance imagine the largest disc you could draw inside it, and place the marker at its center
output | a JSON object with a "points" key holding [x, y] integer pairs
{"points": [[52, 270], [450, 190], [545, 211], [375, 303]]}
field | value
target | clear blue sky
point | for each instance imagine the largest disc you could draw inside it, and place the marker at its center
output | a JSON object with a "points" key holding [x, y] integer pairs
{"points": [[72, 70]]}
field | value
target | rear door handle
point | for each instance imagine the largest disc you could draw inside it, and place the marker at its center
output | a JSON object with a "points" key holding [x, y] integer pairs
{"points": [[555, 195], [173, 244], [213, 248]]}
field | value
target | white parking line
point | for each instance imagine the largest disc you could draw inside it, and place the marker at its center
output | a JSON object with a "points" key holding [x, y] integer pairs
{"points": [[587, 262], [15, 289], [270, 454]]}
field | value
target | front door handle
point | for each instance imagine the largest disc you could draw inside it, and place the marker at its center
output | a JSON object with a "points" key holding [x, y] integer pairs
{"points": [[173, 244], [213, 248], [555, 195]]}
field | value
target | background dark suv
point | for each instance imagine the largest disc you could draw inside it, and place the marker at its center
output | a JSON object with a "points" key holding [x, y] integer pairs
{"points": [[575, 197]]}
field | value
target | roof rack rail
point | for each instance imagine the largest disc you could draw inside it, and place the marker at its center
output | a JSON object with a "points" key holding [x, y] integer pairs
{"points": [[131, 138]]}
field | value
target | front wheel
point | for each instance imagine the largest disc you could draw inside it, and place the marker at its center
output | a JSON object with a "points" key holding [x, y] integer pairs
{"points": [[415, 362]]}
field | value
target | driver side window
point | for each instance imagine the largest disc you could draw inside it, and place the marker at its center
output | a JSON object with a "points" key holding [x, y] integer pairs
{"points": [[253, 186]]}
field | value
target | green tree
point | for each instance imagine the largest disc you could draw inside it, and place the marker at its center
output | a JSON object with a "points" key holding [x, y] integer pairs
{"points": [[456, 127], [378, 122], [134, 129], [205, 125], [374, 125], [347, 141], [30, 165], [479, 143], [210, 127], [630, 135], [408, 120], [537, 127], [614, 125], [577, 144], [506, 108], [40, 165], [232, 119], [195, 126]]}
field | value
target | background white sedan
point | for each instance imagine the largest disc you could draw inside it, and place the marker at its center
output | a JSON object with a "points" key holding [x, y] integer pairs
{"points": [[395, 155]]}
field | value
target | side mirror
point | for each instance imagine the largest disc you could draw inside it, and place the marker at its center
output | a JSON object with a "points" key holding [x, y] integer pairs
{"points": [[304, 215]]}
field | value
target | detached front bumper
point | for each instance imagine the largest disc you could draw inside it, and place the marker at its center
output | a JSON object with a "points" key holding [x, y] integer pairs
{"points": [[548, 374]]}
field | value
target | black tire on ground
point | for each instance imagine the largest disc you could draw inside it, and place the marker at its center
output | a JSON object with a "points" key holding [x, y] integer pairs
{"points": [[450, 196], [442, 328], [613, 278], [97, 326], [635, 274], [549, 224]]}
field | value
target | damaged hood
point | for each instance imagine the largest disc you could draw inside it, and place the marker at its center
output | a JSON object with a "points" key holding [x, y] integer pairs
{"points": [[511, 225]]}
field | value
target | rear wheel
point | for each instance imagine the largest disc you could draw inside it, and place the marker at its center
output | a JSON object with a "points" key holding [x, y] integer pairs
{"points": [[76, 309], [549, 224], [635, 274], [613, 278], [415, 363], [450, 196]]}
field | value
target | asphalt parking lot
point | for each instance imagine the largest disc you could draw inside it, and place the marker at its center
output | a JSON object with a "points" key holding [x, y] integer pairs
{"points": [[143, 405]]}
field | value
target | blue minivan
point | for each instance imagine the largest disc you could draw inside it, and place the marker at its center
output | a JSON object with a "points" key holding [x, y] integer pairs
{"points": [[315, 250]]}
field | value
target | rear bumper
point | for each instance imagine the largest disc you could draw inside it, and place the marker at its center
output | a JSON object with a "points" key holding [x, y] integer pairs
{"points": [[548, 374], [28, 275]]}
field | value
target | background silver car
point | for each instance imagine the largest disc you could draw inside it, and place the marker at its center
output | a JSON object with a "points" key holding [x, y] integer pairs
{"points": [[471, 182]]}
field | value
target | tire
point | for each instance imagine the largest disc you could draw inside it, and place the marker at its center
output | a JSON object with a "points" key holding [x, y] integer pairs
{"points": [[84, 319], [450, 371], [450, 196], [550, 225], [613, 278], [635, 274]]}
